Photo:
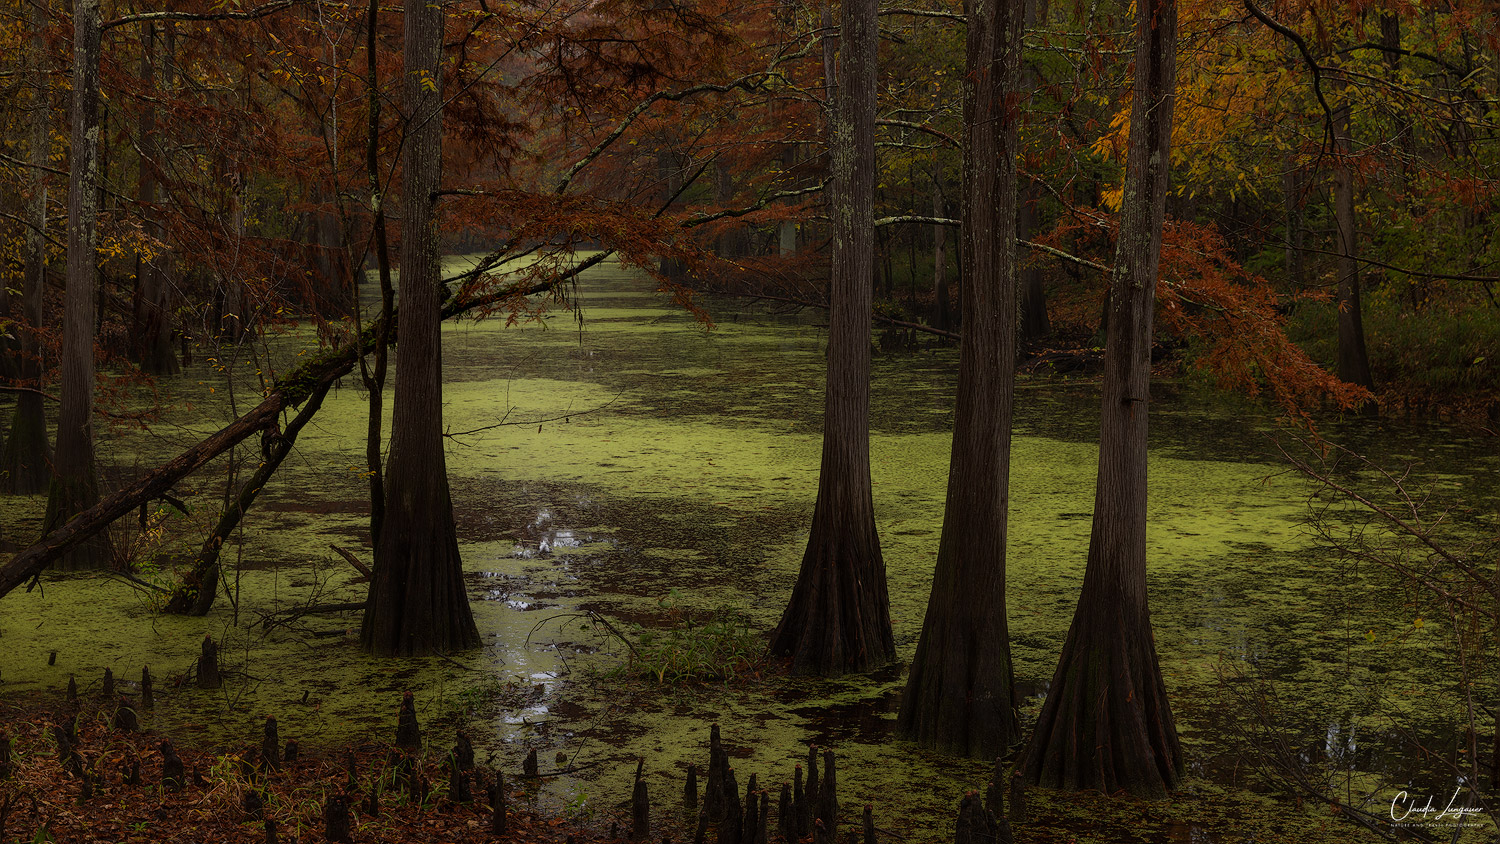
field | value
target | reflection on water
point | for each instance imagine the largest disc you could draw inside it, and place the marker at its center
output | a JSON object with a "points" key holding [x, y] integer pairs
{"points": [[644, 457]]}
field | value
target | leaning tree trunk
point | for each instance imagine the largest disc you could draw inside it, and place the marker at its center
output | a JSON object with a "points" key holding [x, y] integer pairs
{"points": [[75, 483], [1106, 724], [417, 603], [290, 390], [839, 617], [26, 463], [1354, 361], [960, 695], [195, 593]]}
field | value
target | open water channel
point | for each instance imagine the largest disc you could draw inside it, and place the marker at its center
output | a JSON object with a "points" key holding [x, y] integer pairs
{"points": [[639, 465]]}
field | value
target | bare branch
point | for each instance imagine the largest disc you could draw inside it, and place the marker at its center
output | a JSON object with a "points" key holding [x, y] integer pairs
{"points": [[252, 14], [926, 13]]}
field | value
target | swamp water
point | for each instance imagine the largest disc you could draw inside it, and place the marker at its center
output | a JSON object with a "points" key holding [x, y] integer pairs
{"points": [[638, 466]]}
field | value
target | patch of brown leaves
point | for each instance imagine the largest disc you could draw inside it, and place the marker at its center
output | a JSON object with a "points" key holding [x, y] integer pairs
{"points": [[41, 801]]}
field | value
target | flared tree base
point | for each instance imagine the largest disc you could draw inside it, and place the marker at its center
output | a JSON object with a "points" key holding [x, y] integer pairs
{"points": [[838, 620], [1106, 725], [66, 498], [960, 694], [418, 605]]}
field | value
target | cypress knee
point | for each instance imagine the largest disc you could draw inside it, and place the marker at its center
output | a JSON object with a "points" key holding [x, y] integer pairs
{"points": [[497, 804], [733, 822], [713, 798], [801, 808], [458, 781], [700, 833], [408, 734], [208, 665], [751, 828], [828, 798], [62, 736], [125, 719], [812, 779], [994, 793], [1017, 798], [148, 697], [785, 825], [336, 818], [463, 751], [976, 824], [640, 805], [172, 773], [270, 746]]}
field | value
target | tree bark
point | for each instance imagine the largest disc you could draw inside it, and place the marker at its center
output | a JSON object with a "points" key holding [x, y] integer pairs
{"points": [[1106, 724], [960, 694], [417, 603], [1292, 244], [195, 594], [1354, 361], [151, 332], [374, 377], [838, 618], [26, 465], [75, 483], [1034, 322], [940, 316]]}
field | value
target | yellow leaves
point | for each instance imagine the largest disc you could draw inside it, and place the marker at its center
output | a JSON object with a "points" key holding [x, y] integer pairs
{"points": [[1112, 197]]}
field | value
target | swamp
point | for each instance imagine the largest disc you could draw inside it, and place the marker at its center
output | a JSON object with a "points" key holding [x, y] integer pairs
{"points": [[632, 490], [787, 422]]}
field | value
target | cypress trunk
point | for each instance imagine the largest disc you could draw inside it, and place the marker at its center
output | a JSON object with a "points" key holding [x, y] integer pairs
{"points": [[959, 696], [418, 604], [838, 618], [939, 259], [75, 483], [1106, 724], [1354, 361], [150, 331], [26, 463]]}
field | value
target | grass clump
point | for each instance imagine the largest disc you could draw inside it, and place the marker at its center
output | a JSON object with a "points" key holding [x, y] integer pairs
{"points": [[717, 645]]}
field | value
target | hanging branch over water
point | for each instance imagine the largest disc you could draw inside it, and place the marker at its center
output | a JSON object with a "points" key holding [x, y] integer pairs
{"points": [[289, 391]]}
